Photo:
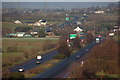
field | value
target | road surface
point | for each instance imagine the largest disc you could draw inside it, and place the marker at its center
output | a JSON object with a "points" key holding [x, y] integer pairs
{"points": [[32, 63], [58, 68]]}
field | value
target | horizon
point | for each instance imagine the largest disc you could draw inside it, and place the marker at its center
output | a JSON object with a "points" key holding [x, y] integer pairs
{"points": [[53, 5]]}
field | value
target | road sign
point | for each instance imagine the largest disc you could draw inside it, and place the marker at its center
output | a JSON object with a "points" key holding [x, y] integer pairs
{"points": [[72, 36], [67, 18]]}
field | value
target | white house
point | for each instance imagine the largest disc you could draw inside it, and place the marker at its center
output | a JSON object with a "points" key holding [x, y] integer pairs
{"points": [[43, 22], [99, 12], [34, 33], [78, 29], [18, 22], [37, 24], [20, 34]]}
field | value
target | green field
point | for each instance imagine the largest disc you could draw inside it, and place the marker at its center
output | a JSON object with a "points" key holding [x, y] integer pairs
{"points": [[19, 50]]}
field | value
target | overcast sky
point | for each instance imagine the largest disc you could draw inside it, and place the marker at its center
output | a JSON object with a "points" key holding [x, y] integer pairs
{"points": [[60, 0]]}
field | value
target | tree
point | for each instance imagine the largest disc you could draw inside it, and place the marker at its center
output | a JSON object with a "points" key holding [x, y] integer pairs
{"points": [[23, 29], [103, 58], [89, 38], [63, 47], [41, 33], [5, 31], [76, 42]]}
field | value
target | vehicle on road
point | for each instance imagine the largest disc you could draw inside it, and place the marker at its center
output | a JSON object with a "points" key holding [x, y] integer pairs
{"points": [[21, 69], [38, 59], [38, 62], [87, 50], [97, 40], [78, 56]]}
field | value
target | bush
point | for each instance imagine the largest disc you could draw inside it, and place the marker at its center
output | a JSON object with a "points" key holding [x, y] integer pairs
{"points": [[16, 75], [12, 49], [59, 56]]}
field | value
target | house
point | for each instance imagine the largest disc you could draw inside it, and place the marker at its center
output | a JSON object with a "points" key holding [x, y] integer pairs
{"points": [[30, 23], [79, 22], [12, 35], [43, 22], [35, 32], [116, 28], [27, 35], [78, 29], [20, 34], [49, 31], [37, 24], [99, 12], [34, 23], [18, 22]]}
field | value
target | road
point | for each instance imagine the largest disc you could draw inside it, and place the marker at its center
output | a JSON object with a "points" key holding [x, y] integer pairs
{"points": [[31, 63], [58, 68]]}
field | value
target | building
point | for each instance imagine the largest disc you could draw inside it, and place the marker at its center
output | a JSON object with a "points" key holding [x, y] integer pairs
{"points": [[116, 28], [43, 22], [79, 22], [20, 34], [30, 23], [27, 35], [37, 23], [18, 22], [99, 12], [78, 29]]}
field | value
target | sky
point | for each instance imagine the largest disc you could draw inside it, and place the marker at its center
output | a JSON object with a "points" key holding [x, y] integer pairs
{"points": [[59, 0]]}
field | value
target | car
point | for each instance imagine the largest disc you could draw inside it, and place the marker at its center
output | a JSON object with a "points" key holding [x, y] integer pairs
{"points": [[21, 69], [87, 50], [78, 56], [38, 62]]}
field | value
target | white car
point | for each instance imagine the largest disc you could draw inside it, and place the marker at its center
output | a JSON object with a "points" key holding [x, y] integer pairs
{"points": [[21, 69]]}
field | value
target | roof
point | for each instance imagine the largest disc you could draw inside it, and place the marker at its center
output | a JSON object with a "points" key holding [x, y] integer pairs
{"points": [[78, 29], [30, 22], [43, 21]]}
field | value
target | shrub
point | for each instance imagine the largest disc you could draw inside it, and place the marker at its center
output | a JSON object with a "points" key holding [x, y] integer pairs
{"points": [[5, 72], [16, 75], [59, 56], [12, 49]]}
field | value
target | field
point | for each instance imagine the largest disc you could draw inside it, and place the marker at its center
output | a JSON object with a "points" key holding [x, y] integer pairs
{"points": [[15, 51]]}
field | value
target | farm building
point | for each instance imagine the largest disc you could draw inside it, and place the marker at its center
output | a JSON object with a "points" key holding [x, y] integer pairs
{"points": [[99, 12], [37, 23], [18, 22], [20, 34]]}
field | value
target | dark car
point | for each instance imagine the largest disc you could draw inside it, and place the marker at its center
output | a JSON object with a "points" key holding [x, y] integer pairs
{"points": [[78, 56], [38, 62]]}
